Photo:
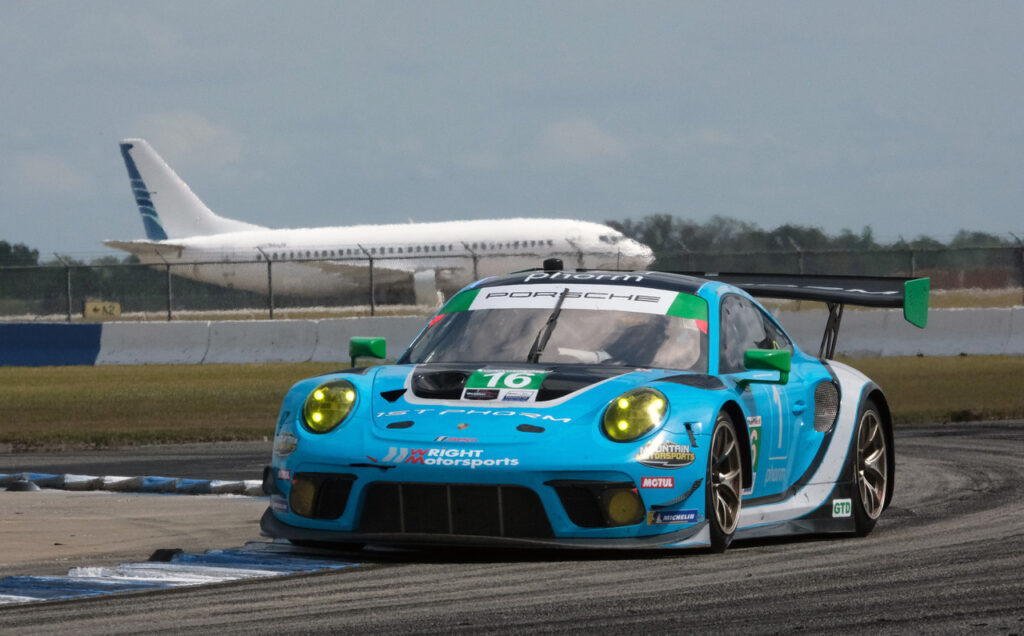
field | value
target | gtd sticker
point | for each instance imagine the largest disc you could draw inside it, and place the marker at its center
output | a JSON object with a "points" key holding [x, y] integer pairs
{"points": [[507, 385], [842, 508], [657, 482], [656, 517]]}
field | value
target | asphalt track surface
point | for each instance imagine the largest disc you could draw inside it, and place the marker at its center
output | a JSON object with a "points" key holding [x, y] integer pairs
{"points": [[946, 557]]}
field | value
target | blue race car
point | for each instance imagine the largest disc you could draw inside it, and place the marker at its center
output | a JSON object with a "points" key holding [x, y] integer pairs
{"points": [[594, 409]]}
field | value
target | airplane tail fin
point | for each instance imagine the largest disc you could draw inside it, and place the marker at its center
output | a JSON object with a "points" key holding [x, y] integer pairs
{"points": [[168, 206]]}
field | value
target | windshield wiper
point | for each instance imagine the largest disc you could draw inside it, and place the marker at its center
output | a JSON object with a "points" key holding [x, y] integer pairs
{"points": [[544, 334]]}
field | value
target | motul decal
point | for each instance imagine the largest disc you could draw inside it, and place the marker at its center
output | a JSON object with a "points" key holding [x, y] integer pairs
{"points": [[658, 482]]}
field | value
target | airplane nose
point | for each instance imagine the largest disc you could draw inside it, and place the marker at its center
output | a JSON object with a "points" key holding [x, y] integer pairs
{"points": [[638, 254]]}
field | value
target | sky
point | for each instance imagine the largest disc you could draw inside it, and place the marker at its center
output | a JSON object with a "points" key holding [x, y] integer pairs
{"points": [[904, 116]]}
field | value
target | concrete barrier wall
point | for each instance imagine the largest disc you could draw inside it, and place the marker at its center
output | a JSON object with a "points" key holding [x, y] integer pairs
{"points": [[242, 341], [154, 343], [884, 332], [950, 332], [333, 335]]}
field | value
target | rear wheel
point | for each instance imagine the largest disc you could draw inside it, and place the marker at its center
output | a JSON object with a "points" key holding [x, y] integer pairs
{"points": [[724, 483], [871, 471]]}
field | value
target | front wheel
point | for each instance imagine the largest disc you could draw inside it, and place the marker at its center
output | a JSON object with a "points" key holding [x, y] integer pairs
{"points": [[724, 483], [871, 471]]}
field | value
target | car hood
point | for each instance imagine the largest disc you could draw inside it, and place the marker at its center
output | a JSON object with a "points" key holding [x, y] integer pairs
{"points": [[443, 402]]}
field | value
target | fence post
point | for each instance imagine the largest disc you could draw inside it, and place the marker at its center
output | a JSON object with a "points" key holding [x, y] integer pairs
{"points": [[579, 253], [168, 266], [67, 282], [1019, 253], [799, 255], [475, 259], [270, 283], [370, 259]]}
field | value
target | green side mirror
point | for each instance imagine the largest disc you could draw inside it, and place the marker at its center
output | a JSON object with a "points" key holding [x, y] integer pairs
{"points": [[367, 348], [769, 360]]}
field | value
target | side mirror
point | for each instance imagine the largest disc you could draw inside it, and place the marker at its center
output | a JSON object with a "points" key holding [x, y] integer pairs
{"points": [[367, 348], [768, 360]]}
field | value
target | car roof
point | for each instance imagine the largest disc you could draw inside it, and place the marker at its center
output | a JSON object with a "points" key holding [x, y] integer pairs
{"points": [[654, 280]]}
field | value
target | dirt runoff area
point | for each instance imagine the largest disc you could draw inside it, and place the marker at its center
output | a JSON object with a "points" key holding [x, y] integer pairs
{"points": [[47, 532]]}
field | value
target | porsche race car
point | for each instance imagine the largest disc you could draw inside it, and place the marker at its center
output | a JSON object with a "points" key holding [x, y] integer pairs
{"points": [[594, 409]]}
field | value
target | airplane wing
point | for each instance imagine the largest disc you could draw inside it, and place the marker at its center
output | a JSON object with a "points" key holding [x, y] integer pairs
{"points": [[148, 249], [383, 272]]}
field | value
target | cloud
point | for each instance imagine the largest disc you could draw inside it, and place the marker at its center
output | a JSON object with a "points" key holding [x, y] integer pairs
{"points": [[188, 138], [581, 140], [47, 174]]}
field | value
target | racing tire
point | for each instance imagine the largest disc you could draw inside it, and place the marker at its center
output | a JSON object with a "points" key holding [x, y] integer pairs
{"points": [[871, 469], [724, 483]]}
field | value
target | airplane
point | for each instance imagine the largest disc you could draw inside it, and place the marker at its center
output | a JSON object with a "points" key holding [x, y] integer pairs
{"points": [[181, 232]]}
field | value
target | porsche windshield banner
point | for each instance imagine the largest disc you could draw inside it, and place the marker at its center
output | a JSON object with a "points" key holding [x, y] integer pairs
{"points": [[592, 297]]}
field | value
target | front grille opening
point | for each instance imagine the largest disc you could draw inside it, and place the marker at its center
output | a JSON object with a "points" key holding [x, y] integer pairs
{"points": [[319, 495], [457, 509], [584, 504]]}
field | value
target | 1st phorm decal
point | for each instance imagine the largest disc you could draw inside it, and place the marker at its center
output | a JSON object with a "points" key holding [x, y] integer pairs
{"points": [[491, 412], [464, 457]]}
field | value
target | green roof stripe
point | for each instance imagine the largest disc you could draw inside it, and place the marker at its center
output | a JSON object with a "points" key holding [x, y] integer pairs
{"points": [[461, 302], [689, 306]]}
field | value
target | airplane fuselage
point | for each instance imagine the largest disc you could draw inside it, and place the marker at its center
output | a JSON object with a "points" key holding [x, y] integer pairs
{"points": [[321, 261]]}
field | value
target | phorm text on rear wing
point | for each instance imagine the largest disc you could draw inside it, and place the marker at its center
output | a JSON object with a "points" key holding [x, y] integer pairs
{"points": [[910, 294]]}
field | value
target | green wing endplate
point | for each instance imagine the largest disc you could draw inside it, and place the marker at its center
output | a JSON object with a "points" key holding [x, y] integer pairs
{"points": [[915, 301]]}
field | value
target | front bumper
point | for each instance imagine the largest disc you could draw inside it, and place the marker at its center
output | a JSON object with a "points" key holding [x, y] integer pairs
{"points": [[690, 537], [567, 508]]}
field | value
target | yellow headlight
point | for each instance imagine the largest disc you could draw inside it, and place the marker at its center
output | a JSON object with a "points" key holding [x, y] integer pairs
{"points": [[328, 405], [634, 414]]}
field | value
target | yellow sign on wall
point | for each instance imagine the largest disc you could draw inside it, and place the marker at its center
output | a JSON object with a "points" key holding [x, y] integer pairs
{"points": [[97, 310]]}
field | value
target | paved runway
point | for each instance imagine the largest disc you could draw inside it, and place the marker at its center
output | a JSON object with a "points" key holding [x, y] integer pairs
{"points": [[946, 557]]}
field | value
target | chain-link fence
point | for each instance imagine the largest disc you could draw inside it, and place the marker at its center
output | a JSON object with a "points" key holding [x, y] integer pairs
{"points": [[362, 286], [949, 268], [265, 288]]}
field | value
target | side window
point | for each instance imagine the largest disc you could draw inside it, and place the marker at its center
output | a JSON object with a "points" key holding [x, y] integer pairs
{"points": [[779, 340], [742, 328]]}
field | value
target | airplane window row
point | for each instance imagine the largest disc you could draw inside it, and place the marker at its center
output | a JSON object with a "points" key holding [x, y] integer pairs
{"points": [[415, 249]]}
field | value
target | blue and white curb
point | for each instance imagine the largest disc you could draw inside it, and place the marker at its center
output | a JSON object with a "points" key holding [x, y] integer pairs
{"points": [[255, 560], [148, 484]]}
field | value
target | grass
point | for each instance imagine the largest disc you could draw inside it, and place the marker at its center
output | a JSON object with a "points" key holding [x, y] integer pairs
{"points": [[98, 407], [46, 407], [924, 390]]}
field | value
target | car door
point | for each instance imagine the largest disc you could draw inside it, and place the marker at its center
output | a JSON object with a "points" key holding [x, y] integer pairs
{"points": [[774, 411]]}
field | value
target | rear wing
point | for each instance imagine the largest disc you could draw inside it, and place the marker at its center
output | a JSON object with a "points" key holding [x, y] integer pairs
{"points": [[909, 294]]}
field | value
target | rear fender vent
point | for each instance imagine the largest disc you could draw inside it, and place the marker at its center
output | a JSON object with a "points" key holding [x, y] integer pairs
{"points": [[826, 406]]}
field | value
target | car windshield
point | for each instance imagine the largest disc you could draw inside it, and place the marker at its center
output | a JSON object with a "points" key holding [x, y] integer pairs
{"points": [[582, 336]]}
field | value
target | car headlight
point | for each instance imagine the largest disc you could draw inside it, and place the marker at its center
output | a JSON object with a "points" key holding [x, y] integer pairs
{"points": [[328, 405], [634, 414]]}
